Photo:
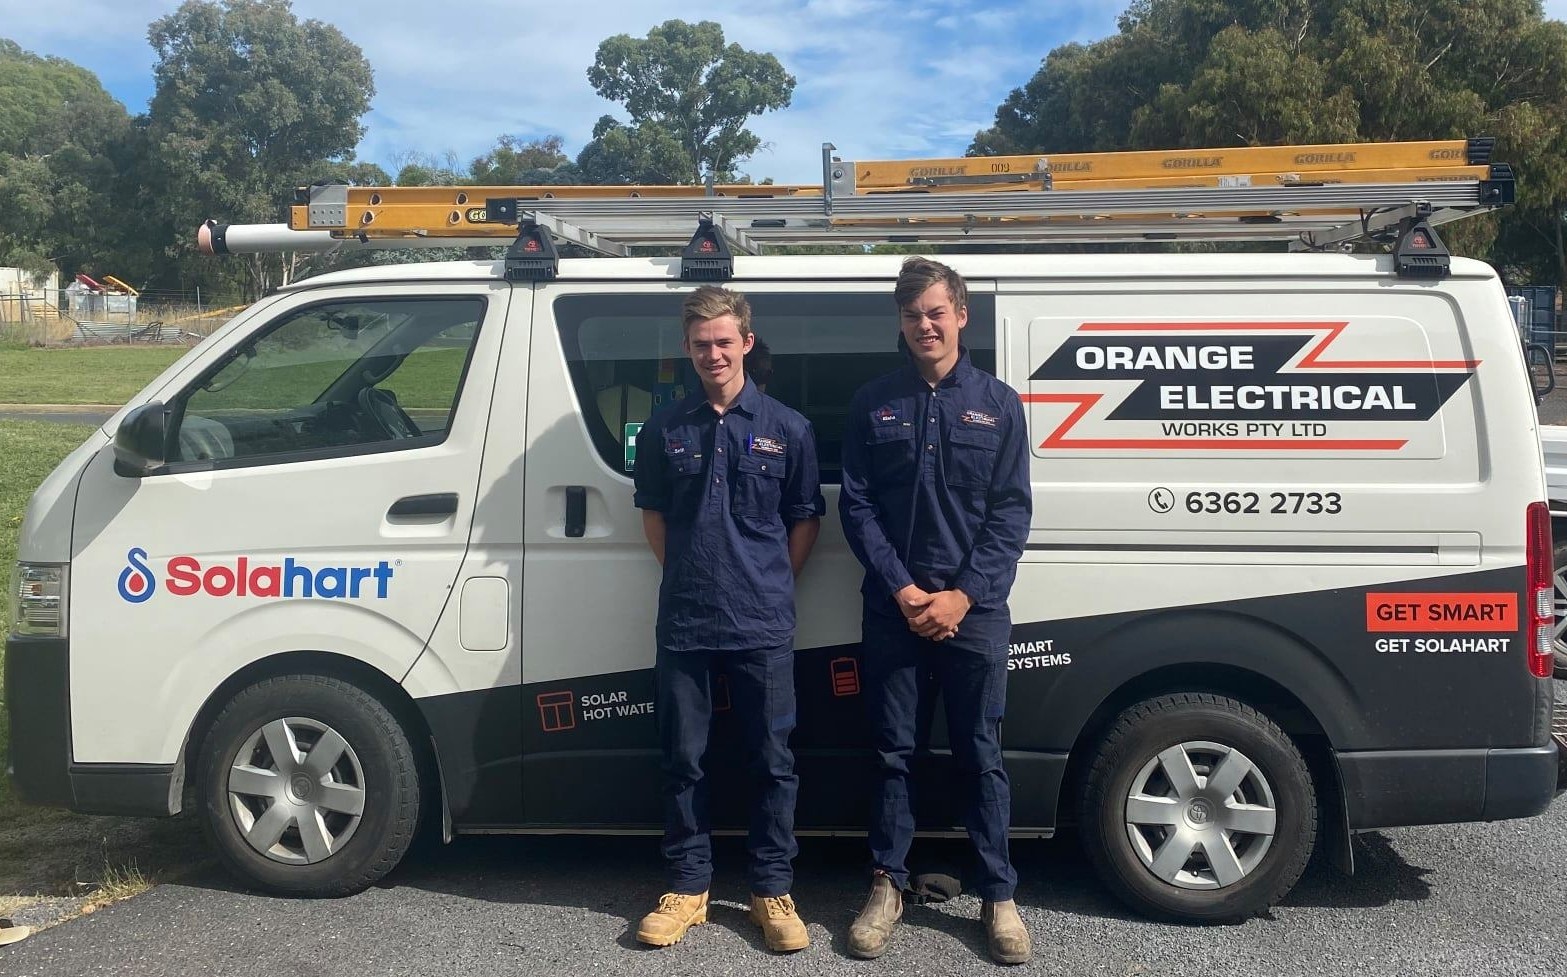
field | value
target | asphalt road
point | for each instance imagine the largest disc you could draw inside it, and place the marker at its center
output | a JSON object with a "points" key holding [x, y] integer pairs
{"points": [[1461, 900]]}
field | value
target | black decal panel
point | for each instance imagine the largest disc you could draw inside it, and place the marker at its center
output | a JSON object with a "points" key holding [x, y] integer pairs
{"points": [[588, 745]]}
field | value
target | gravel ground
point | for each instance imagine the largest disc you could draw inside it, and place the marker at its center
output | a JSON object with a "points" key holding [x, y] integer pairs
{"points": [[1470, 900]]}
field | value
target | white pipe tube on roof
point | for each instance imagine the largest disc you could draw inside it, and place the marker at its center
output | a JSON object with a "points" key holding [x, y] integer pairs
{"points": [[215, 238]]}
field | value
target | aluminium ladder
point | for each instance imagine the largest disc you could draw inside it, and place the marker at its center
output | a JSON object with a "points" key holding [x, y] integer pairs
{"points": [[1313, 197]]}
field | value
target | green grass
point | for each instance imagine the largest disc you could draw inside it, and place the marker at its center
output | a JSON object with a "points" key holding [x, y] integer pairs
{"points": [[427, 379], [99, 375], [29, 450], [112, 375]]}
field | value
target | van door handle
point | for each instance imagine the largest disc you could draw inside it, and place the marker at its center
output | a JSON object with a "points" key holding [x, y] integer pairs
{"points": [[438, 504], [576, 511]]}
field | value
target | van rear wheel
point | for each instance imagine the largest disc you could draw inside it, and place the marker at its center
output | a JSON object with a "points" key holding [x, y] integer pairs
{"points": [[1198, 808], [309, 786]]}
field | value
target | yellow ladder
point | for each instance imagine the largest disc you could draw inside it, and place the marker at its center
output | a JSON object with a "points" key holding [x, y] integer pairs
{"points": [[1315, 196]]}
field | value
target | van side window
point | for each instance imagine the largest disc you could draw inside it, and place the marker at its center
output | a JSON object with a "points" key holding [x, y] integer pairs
{"points": [[332, 379], [625, 357]]}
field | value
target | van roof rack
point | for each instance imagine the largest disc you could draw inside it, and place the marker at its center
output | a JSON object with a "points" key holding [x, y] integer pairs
{"points": [[1313, 197]]}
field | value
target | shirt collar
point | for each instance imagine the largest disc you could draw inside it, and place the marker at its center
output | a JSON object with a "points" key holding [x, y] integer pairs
{"points": [[748, 403], [750, 400], [955, 377]]}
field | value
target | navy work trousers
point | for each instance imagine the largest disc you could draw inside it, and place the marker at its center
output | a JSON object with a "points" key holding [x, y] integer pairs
{"points": [[904, 673], [761, 694]]}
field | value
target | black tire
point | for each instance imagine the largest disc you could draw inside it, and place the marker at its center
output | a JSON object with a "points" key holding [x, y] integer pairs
{"points": [[1204, 725], [378, 755], [1559, 643]]}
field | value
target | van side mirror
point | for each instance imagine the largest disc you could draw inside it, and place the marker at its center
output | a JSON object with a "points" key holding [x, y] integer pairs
{"points": [[141, 444]]}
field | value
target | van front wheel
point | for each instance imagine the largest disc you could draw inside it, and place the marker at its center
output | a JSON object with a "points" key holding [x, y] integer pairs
{"points": [[1198, 808], [308, 786]]}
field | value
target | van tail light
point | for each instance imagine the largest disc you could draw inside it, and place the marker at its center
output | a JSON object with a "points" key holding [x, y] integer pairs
{"points": [[1541, 595]]}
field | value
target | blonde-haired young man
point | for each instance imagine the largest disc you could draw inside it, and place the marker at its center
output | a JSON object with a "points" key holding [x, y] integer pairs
{"points": [[728, 487]]}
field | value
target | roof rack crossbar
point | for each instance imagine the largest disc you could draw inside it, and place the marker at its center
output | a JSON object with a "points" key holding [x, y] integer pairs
{"points": [[576, 235], [1373, 224], [508, 210], [739, 238]]}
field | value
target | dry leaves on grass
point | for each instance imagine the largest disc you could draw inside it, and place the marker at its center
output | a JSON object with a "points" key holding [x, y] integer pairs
{"points": [[62, 865]]}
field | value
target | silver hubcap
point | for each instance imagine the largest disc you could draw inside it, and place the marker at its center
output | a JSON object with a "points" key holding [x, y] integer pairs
{"points": [[1200, 815], [1558, 642], [296, 791]]}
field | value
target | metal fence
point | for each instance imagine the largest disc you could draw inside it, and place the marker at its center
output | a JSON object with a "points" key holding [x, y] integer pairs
{"points": [[76, 316], [1538, 320]]}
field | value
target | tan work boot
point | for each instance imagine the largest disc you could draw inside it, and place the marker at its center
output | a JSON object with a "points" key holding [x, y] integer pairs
{"points": [[781, 925], [675, 914], [871, 930], [1005, 932]]}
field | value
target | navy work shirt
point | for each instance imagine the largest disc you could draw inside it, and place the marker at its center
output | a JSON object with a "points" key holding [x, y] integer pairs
{"points": [[729, 487], [935, 484]]}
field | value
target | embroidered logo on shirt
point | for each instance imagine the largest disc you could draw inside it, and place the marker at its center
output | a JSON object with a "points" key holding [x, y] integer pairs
{"points": [[772, 447], [887, 415], [978, 417], [675, 446]]}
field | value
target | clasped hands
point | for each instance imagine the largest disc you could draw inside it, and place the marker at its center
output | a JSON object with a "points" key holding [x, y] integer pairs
{"points": [[934, 616]]}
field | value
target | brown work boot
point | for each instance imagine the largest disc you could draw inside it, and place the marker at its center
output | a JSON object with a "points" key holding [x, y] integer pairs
{"points": [[781, 925], [871, 930], [675, 914], [1005, 932]]}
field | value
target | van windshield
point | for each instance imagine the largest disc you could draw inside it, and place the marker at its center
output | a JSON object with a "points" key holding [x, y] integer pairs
{"points": [[332, 376]]}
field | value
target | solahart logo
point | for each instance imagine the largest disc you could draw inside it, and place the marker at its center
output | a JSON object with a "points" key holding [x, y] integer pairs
{"points": [[188, 577], [136, 581]]}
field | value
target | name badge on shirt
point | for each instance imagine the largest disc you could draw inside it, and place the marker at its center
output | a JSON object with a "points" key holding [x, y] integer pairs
{"points": [[675, 447], [979, 418], [770, 447], [888, 415]]}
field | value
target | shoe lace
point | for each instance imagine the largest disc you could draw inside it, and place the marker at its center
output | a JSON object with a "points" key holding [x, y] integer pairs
{"points": [[778, 907], [671, 902]]}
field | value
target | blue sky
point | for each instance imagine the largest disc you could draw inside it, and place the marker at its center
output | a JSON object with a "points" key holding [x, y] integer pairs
{"points": [[881, 79]]}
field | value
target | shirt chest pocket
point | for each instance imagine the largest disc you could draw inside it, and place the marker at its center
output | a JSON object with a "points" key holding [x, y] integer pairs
{"points": [[891, 448], [681, 458], [971, 456], [758, 487]]}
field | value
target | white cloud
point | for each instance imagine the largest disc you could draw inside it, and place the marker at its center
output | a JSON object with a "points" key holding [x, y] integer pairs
{"points": [[880, 78]]}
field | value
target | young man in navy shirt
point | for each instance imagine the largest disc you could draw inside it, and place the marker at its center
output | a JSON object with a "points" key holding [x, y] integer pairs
{"points": [[936, 505], [727, 483]]}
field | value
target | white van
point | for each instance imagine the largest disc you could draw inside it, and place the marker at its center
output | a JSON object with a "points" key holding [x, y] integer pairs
{"points": [[367, 557]]}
